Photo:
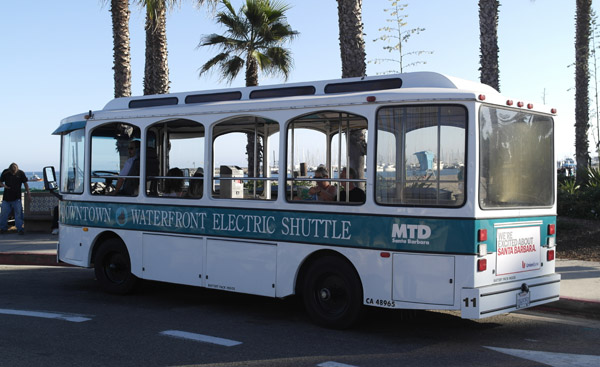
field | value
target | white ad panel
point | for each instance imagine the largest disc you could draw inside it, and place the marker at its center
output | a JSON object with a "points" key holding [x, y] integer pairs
{"points": [[517, 250]]}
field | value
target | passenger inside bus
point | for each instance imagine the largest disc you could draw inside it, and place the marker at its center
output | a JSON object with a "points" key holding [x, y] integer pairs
{"points": [[128, 186], [152, 170], [356, 194], [196, 185], [174, 185], [324, 190]]}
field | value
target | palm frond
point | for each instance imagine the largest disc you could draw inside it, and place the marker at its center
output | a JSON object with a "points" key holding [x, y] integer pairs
{"points": [[254, 32], [231, 68], [212, 62]]}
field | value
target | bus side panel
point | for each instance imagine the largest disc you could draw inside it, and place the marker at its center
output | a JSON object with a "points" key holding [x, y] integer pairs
{"points": [[424, 279], [73, 246], [173, 259], [239, 266]]}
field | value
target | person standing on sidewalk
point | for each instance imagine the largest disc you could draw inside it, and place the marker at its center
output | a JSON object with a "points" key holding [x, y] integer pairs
{"points": [[11, 179]]}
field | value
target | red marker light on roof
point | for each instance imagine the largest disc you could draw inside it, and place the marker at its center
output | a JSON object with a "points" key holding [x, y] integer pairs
{"points": [[553, 110], [509, 102], [371, 99], [520, 104], [530, 105], [481, 97]]}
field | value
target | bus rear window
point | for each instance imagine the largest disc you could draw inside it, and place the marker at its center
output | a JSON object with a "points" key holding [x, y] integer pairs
{"points": [[516, 159]]}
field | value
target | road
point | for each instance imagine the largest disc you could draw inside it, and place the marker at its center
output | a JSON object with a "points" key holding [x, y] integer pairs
{"points": [[60, 316]]}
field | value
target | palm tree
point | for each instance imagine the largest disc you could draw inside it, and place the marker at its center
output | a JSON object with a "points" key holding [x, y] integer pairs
{"points": [[352, 50], [488, 43], [119, 10], [582, 78], [352, 43], [156, 72], [253, 39]]}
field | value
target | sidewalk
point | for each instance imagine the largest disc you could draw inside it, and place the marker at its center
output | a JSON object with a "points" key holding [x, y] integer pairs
{"points": [[28, 249], [579, 286]]}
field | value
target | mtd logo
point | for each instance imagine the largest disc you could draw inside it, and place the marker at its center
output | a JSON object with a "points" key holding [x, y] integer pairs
{"points": [[412, 234]]}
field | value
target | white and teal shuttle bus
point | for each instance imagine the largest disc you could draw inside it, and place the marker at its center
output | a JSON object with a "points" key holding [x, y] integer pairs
{"points": [[451, 199]]}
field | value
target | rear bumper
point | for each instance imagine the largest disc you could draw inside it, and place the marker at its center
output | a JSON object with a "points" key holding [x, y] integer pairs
{"points": [[478, 303]]}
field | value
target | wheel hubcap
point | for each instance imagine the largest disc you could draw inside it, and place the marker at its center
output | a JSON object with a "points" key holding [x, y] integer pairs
{"points": [[116, 268], [325, 294]]}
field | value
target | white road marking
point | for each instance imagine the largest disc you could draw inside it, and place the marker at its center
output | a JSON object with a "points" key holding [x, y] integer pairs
{"points": [[46, 315], [200, 338], [334, 364], [553, 359]]}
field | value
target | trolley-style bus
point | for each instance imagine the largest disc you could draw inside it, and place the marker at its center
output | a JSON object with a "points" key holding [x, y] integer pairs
{"points": [[408, 191]]}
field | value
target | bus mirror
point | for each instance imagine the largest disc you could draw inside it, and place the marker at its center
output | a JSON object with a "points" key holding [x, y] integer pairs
{"points": [[50, 179]]}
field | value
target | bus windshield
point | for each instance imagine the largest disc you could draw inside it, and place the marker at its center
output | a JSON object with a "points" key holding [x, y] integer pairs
{"points": [[71, 178], [516, 166]]}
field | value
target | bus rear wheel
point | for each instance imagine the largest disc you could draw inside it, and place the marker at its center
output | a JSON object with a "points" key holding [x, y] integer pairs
{"points": [[332, 293], [112, 267]]}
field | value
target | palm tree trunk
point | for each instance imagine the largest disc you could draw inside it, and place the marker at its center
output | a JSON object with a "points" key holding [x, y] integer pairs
{"points": [[252, 81], [582, 78], [352, 43], [251, 71], [119, 10], [488, 38], [352, 50], [156, 74]]}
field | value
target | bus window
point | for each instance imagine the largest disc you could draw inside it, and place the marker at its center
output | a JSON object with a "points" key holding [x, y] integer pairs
{"points": [[516, 167], [115, 159], [175, 159], [71, 178], [421, 155], [319, 147], [243, 148]]}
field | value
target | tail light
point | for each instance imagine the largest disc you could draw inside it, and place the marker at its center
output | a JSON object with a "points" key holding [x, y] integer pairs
{"points": [[550, 255], [551, 229], [482, 235], [481, 265]]}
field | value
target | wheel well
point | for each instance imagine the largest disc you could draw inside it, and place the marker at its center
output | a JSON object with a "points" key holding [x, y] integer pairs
{"points": [[103, 237], [311, 259]]}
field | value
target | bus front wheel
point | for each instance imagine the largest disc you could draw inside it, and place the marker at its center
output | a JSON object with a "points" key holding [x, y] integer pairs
{"points": [[112, 267], [332, 293]]}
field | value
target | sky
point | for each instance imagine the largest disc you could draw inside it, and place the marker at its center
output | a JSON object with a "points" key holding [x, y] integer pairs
{"points": [[58, 58]]}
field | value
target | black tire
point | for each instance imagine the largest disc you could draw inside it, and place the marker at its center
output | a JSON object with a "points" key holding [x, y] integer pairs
{"points": [[332, 293], [112, 267]]}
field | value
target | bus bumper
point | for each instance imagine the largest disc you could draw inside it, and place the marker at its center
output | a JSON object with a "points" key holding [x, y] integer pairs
{"points": [[478, 303]]}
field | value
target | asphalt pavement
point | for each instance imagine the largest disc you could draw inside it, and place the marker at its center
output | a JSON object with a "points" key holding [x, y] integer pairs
{"points": [[579, 287]]}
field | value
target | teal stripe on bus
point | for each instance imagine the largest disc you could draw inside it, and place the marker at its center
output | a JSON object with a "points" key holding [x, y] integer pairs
{"points": [[435, 235]]}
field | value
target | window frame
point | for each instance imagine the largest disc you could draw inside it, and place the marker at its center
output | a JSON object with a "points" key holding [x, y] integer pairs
{"points": [[344, 128], [465, 108], [480, 160]]}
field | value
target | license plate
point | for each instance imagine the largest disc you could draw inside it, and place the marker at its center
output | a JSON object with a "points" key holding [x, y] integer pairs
{"points": [[523, 300]]}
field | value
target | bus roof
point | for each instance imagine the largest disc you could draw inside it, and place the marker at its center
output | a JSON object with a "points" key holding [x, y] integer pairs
{"points": [[413, 86], [315, 88]]}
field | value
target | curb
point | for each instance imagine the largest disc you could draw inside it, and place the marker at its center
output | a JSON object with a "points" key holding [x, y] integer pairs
{"points": [[29, 258], [573, 306]]}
